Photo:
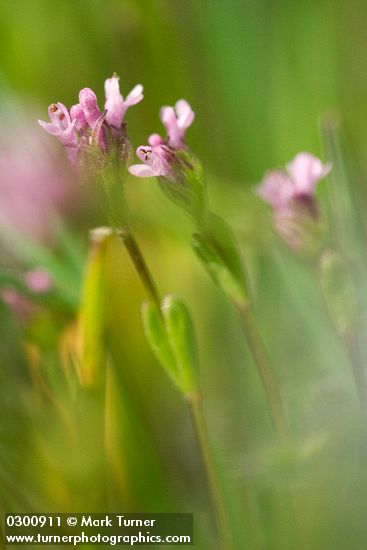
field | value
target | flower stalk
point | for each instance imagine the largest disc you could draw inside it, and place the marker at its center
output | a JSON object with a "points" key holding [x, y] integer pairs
{"points": [[137, 258], [201, 431]]}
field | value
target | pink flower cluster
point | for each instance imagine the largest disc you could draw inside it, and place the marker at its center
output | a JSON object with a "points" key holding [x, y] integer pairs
{"points": [[84, 124], [282, 189], [159, 153]]}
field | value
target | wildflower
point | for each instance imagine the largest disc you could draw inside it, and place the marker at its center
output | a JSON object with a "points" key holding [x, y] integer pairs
{"points": [[35, 184], [35, 282], [281, 189], [160, 153], [115, 104], [38, 281], [85, 125], [291, 194], [176, 121], [156, 161]]}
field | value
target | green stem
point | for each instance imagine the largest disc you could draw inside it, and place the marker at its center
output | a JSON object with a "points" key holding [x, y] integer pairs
{"points": [[201, 431], [266, 373], [358, 369], [194, 401], [132, 247], [349, 342]]}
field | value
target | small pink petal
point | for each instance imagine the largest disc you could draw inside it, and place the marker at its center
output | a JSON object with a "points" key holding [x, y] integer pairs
{"points": [[185, 114], [88, 102], [142, 171], [276, 189], [76, 113], [155, 139], [135, 96], [305, 171], [114, 102], [144, 153]]}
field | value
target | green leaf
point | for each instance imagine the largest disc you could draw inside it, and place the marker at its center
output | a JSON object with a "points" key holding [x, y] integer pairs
{"points": [[157, 338], [181, 336], [170, 334], [221, 259], [92, 312]]}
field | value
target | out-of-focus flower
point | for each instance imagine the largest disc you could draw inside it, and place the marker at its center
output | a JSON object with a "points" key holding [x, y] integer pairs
{"points": [[86, 125], [281, 188], [160, 153], [34, 189], [37, 281], [291, 194]]}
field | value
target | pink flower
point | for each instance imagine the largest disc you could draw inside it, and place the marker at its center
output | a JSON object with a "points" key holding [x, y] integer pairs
{"points": [[77, 115], [156, 161], [85, 124], [159, 154], [176, 121], [38, 280], [35, 184], [115, 104], [282, 188], [291, 194], [306, 171], [89, 106], [60, 124]]}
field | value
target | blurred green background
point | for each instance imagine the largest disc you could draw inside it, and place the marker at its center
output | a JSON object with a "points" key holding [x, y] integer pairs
{"points": [[258, 74]]}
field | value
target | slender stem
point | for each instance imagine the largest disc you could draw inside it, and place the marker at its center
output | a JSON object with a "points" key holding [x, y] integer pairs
{"points": [[198, 419], [194, 401], [266, 373], [349, 342], [127, 237], [358, 369]]}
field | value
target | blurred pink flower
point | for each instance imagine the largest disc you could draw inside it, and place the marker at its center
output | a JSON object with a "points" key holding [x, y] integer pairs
{"points": [[160, 153], [291, 194], [34, 188], [282, 188], [37, 281]]}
